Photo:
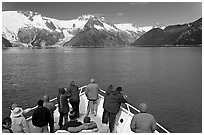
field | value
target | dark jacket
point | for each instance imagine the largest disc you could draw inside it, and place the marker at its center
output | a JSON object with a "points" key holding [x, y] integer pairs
{"points": [[6, 130], [62, 100], [41, 117], [113, 102], [74, 92], [74, 123], [105, 98]]}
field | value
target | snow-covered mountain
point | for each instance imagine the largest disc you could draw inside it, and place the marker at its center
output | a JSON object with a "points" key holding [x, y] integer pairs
{"points": [[32, 29]]}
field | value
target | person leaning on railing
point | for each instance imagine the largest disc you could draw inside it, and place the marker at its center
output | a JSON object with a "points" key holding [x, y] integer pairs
{"points": [[19, 123], [112, 106]]}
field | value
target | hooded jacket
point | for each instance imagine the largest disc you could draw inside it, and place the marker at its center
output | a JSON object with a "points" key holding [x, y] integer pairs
{"points": [[113, 102]]}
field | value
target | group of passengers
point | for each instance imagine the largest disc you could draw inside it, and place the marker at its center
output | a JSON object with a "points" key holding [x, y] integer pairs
{"points": [[43, 115]]}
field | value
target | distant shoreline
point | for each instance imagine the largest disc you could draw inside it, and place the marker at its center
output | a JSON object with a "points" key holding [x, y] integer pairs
{"points": [[48, 47]]}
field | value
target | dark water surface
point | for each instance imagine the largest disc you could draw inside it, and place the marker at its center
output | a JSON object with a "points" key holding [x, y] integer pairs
{"points": [[169, 80]]}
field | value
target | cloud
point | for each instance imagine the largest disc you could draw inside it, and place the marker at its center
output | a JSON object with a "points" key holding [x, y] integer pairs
{"points": [[120, 14]]}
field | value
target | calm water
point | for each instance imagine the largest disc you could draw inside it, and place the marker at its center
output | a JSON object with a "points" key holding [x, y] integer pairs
{"points": [[169, 80]]}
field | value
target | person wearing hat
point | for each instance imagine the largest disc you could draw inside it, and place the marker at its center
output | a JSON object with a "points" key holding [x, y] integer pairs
{"points": [[89, 125], [112, 106], [62, 100], [14, 105], [91, 92], [143, 122], [19, 123], [74, 99], [49, 105], [72, 123]]}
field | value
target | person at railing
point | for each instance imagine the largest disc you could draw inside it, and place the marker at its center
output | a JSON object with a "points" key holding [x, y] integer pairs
{"points": [[112, 106], [14, 105], [74, 99], [49, 105], [63, 106], [105, 112], [72, 124], [19, 123], [41, 117], [6, 125], [143, 122], [91, 92]]}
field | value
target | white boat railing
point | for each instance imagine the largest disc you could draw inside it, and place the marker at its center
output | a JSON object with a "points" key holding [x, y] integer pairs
{"points": [[128, 106]]}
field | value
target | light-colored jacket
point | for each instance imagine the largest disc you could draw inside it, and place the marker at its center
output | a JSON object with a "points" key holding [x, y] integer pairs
{"points": [[143, 123], [19, 125], [92, 91], [50, 106]]}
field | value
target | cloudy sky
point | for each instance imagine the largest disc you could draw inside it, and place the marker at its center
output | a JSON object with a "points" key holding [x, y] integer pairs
{"points": [[139, 13]]}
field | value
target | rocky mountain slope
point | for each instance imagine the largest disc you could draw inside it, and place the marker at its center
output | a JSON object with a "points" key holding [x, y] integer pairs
{"points": [[189, 34], [30, 29], [5, 43]]}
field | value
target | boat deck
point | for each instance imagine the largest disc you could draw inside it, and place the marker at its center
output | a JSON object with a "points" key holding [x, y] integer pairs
{"points": [[97, 119], [83, 105], [123, 118]]}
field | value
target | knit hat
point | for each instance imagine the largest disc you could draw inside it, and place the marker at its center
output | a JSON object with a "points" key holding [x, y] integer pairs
{"points": [[72, 115], [87, 119], [17, 112]]}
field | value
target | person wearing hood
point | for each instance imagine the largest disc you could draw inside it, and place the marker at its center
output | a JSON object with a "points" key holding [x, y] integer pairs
{"points": [[143, 122], [19, 123], [112, 106]]}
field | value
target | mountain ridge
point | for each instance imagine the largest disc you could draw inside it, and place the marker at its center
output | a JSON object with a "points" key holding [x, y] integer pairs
{"points": [[31, 29], [189, 34], [66, 29]]}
